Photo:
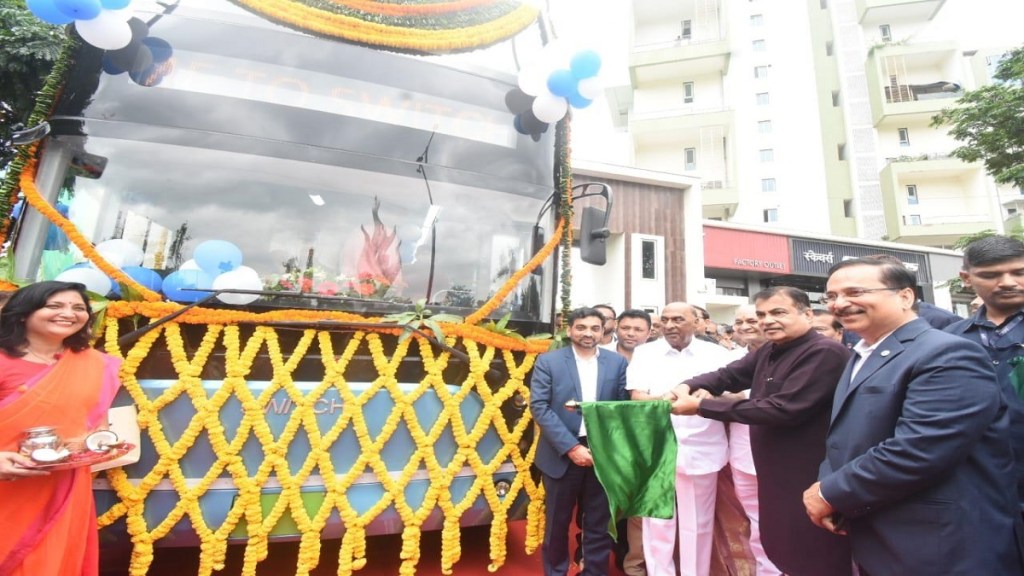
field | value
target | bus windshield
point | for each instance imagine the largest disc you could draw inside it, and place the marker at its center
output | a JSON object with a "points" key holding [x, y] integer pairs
{"points": [[354, 178]]}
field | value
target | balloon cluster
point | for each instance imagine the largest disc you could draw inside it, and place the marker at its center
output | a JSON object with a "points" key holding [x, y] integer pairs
{"points": [[143, 58], [102, 23], [545, 93], [215, 264]]}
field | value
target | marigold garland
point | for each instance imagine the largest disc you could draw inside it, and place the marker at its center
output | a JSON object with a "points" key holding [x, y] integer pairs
{"points": [[391, 34], [36, 200], [246, 512]]}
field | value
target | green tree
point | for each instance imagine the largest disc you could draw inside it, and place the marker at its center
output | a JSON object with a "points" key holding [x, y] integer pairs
{"points": [[28, 49], [989, 122]]}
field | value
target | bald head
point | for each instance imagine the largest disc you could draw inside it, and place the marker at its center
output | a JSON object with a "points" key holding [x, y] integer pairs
{"points": [[679, 320], [748, 331]]}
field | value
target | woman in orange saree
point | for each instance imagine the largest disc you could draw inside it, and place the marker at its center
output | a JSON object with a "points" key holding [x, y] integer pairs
{"points": [[49, 376]]}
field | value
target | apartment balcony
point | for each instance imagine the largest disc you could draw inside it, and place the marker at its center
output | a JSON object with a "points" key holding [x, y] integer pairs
{"points": [[948, 205], [912, 82], [874, 12], [719, 199], [678, 58], [676, 126]]}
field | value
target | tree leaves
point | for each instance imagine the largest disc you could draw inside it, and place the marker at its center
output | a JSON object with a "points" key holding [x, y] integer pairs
{"points": [[421, 316], [989, 122]]}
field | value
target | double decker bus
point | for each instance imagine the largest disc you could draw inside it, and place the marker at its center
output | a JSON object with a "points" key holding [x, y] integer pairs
{"points": [[326, 260]]}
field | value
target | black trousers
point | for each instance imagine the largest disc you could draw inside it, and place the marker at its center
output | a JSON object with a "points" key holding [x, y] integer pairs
{"points": [[578, 487]]}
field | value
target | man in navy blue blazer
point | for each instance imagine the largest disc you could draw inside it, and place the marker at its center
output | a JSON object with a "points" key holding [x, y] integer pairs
{"points": [[918, 466], [584, 373]]}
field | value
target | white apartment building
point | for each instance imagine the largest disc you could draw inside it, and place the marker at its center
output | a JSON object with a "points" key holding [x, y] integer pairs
{"points": [[811, 115]]}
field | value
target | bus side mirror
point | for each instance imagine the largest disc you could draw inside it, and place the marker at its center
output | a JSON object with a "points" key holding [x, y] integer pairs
{"points": [[593, 236]]}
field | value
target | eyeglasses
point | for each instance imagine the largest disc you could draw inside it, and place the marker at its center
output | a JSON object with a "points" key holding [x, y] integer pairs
{"points": [[831, 297]]}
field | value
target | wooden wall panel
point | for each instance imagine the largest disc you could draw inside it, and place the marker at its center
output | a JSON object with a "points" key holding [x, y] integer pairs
{"points": [[640, 208]]}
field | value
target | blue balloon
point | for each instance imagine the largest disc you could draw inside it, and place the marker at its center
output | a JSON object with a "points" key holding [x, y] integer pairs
{"points": [[585, 63], [160, 48], [177, 285], [115, 4], [111, 68], [47, 12], [562, 83], [144, 276], [79, 9], [517, 122], [577, 101], [216, 257]]}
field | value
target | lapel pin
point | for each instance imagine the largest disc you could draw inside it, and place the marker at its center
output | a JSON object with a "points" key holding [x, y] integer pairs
{"points": [[884, 353]]}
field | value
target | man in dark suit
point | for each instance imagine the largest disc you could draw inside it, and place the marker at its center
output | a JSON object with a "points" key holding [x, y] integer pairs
{"points": [[994, 268], [791, 379], [917, 463], [583, 373]]}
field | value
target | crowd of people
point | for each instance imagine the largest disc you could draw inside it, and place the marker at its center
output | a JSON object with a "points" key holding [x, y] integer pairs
{"points": [[877, 435]]}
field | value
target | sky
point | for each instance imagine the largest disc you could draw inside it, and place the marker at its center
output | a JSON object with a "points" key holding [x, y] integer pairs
{"points": [[978, 24]]}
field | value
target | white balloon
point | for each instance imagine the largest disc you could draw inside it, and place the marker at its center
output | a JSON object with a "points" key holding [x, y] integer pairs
{"points": [[94, 280], [106, 31], [549, 108], [589, 88], [116, 259], [129, 253], [533, 80], [189, 264], [241, 278]]}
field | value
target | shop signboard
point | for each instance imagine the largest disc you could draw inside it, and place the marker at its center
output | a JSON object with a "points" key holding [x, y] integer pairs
{"points": [[815, 258]]}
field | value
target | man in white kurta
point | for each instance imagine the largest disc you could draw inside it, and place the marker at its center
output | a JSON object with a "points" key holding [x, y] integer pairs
{"points": [[656, 368]]}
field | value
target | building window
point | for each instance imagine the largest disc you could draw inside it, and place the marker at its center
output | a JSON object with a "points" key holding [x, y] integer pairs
{"points": [[828, 48], [912, 220], [904, 136], [823, 4], [648, 260], [768, 185], [687, 92], [760, 46], [841, 151], [762, 98], [771, 215], [687, 30], [835, 98], [767, 155], [885, 32], [757, 19], [764, 126], [848, 208], [912, 194], [691, 158], [760, 72]]}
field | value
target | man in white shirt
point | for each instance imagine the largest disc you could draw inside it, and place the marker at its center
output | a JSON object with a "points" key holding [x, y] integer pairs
{"points": [[655, 369]]}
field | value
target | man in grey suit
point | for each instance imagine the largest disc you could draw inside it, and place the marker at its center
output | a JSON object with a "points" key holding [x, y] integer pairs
{"points": [[583, 373], [917, 463]]}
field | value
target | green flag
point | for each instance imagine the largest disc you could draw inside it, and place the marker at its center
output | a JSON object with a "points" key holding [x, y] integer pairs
{"points": [[1017, 375], [634, 448]]}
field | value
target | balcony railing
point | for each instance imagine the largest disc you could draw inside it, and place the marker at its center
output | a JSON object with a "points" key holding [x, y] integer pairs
{"points": [[677, 43], [684, 111], [918, 157], [895, 93]]}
